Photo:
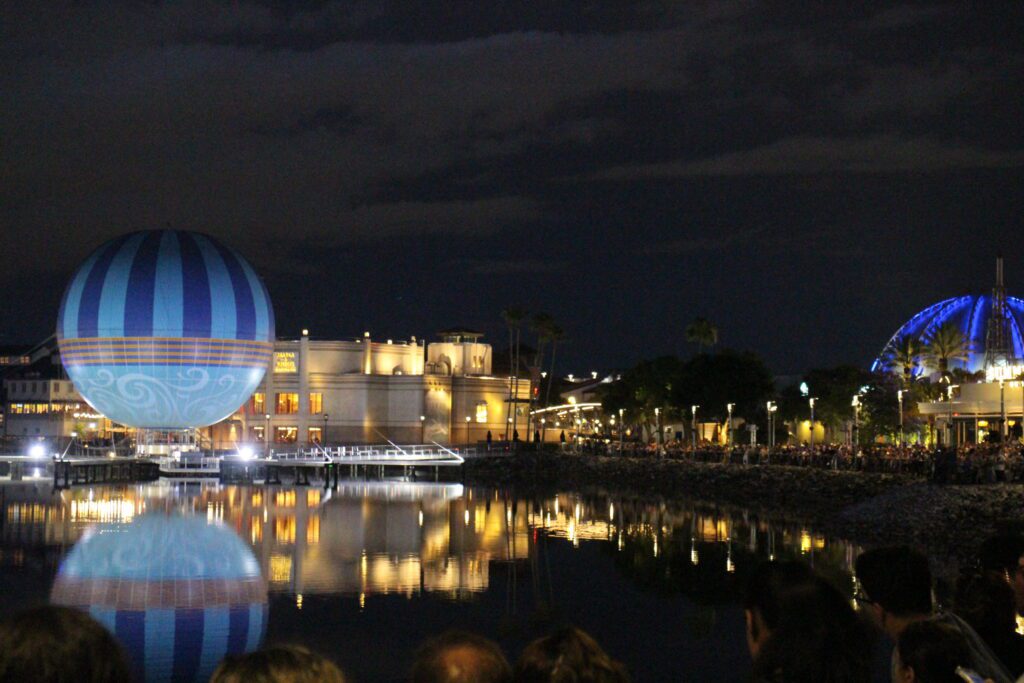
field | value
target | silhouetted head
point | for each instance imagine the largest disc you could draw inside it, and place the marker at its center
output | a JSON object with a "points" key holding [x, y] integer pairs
{"points": [[568, 656], [818, 638], [987, 603], [278, 664], [1003, 555], [765, 592], [59, 645], [460, 657], [929, 651], [895, 581]]}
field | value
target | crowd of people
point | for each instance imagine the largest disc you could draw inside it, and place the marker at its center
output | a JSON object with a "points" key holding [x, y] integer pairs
{"points": [[799, 629], [964, 464]]}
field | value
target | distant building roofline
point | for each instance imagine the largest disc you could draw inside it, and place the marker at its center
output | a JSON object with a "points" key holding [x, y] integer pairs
{"points": [[460, 333]]}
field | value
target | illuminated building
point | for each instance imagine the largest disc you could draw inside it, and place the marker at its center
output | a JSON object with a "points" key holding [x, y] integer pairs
{"points": [[361, 391], [991, 324], [992, 401], [366, 391]]}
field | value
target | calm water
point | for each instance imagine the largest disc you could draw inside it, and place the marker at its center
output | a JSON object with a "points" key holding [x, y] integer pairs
{"points": [[365, 572]]}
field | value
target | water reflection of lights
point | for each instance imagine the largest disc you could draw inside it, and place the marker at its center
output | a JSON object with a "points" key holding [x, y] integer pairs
{"points": [[368, 538], [114, 510]]}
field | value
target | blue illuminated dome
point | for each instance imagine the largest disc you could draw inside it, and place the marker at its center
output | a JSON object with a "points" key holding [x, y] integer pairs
{"points": [[165, 329], [971, 315], [178, 592]]}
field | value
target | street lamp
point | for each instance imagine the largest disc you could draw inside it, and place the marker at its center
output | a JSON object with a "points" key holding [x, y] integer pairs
{"points": [[423, 428], [856, 419], [899, 398], [266, 436], [661, 434], [323, 434], [728, 436], [949, 396], [1002, 413], [622, 427], [811, 402], [772, 407], [693, 430]]}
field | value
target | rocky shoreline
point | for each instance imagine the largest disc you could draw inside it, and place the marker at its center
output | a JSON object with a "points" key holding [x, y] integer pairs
{"points": [[866, 508]]}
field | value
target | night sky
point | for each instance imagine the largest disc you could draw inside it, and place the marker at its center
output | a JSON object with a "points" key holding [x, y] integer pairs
{"points": [[805, 176]]}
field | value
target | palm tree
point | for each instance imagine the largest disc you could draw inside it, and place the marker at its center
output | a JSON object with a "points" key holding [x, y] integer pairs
{"points": [[946, 344], [904, 352], [555, 335], [702, 333], [513, 317], [541, 324]]}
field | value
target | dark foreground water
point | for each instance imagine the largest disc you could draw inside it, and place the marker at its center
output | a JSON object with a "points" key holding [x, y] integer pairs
{"points": [[364, 573]]}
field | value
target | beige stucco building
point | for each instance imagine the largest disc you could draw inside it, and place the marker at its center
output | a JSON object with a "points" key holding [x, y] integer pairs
{"points": [[975, 410], [357, 391], [370, 391]]}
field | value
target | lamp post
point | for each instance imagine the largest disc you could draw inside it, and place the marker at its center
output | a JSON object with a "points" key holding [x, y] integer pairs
{"points": [[323, 434], [771, 423], [856, 420], [661, 434], [1020, 378], [949, 396], [693, 429], [622, 427], [266, 436], [423, 428], [728, 436], [899, 399], [467, 429], [1002, 414], [811, 402], [543, 422]]}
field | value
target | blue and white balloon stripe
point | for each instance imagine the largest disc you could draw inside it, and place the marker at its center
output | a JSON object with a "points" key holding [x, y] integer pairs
{"points": [[165, 330], [166, 283]]}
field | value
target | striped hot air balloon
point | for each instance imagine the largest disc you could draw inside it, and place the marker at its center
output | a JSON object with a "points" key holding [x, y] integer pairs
{"points": [[179, 593], [165, 329]]}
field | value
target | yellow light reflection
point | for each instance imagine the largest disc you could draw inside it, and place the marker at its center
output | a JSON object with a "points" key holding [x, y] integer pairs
{"points": [[280, 568]]}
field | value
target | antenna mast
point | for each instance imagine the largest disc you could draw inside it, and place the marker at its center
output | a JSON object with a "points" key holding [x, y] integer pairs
{"points": [[997, 336]]}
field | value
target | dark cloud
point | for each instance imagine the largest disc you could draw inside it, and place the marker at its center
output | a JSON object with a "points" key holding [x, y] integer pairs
{"points": [[548, 152], [876, 154], [716, 240], [504, 266]]}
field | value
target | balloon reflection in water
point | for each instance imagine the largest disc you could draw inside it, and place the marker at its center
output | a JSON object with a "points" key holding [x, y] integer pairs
{"points": [[178, 592]]}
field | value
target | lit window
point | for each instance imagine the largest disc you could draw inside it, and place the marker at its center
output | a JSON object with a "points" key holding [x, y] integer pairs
{"points": [[316, 403], [287, 404], [280, 569], [259, 403], [315, 435], [313, 530], [286, 434], [286, 361], [481, 411], [258, 433], [284, 529]]}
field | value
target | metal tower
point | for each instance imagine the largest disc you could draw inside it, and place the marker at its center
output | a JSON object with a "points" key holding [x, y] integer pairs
{"points": [[997, 336]]}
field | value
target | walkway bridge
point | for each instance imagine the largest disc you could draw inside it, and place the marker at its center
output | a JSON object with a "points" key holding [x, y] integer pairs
{"points": [[320, 462], [329, 462]]}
